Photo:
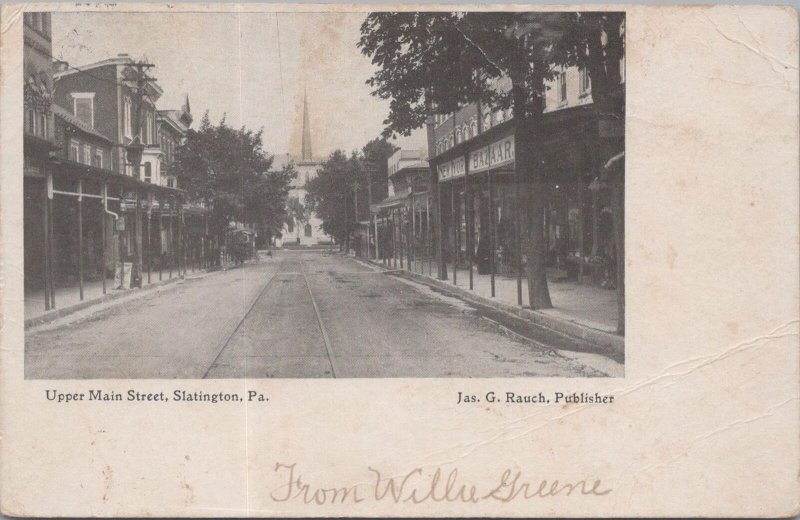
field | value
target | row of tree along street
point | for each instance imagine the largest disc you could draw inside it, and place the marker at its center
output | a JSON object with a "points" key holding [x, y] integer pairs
{"points": [[430, 66]]}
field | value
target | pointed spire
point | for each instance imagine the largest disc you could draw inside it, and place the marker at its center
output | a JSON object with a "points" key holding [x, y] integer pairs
{"points": [[186, 116], [305, 151]]}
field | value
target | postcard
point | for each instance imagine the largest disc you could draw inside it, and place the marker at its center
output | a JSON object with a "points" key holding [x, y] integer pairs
{"points": [[302, 260]]}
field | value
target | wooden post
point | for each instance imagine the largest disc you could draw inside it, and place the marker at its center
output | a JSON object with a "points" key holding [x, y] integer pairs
{"points": [[160, 242], [46, 249], [375, 224], [455, 232], [51, 240], [103, 238], [403, 238], [580, 228], [138, 241], [413, 237], [468, 221], [149, 236], [492, 238], [518, 231], [171, 252], [80, 238], [394, 240], [439, 231], [429, 242]]}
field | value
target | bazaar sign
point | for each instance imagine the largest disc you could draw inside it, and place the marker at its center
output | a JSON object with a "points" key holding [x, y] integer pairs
{"points": [[452, 169], [496, 154]]}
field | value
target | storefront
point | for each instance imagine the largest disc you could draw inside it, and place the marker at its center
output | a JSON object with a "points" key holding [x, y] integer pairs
{"points": [[486, 217]]}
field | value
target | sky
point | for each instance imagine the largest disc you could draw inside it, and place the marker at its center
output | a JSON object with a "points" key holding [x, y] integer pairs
{"points": [[252, 67]]}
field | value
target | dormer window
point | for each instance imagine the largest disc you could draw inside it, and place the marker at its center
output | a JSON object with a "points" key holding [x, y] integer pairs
{"points": [[83, 107]]}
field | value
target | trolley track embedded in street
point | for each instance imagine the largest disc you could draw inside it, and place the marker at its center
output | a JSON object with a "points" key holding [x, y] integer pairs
{"points": [[325, 338], [239, 323]]}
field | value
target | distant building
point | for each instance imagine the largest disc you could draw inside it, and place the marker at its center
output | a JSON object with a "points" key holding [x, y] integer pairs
{"points": [[302, 227], [172, 128], [400, 223]]}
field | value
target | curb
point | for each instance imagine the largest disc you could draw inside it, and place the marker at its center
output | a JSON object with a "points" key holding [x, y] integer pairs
{"points": [[605, 342], [66, 311]]}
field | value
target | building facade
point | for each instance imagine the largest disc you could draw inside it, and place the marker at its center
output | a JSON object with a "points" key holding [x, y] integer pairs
{"points": [[400, 227], [473, 169]]}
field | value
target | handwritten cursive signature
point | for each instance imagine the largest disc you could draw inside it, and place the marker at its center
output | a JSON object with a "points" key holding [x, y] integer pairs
{"points": [[417, 487]]}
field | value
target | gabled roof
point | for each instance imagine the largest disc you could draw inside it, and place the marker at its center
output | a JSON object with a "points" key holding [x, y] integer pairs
{"points": [[67, 116]]}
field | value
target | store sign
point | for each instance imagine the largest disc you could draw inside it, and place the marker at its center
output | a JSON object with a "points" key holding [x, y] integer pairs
{"points": [[496, 154], [452, 169]]}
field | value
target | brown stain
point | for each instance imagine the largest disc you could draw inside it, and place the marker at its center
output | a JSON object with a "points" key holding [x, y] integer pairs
{"points": [[671, 256], [732, 326], [108, 480]]}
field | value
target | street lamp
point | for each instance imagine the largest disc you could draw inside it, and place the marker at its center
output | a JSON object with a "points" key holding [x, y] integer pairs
{"points": [[134, 152]]}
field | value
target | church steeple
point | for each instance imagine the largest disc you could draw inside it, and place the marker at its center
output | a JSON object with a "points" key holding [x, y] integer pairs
{"points": [[305, 150]]}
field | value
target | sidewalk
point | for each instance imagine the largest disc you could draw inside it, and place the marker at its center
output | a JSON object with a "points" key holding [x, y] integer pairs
{"points": [[68, 298], [585, 311]]}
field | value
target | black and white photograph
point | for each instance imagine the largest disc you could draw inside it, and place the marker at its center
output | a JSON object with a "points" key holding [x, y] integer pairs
{"points": [[324, 194]]}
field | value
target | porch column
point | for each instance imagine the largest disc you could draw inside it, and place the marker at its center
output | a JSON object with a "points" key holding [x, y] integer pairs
{"points": [[428, 241], [492, 238], [46, 237], [80, 238], [455, 232], [171, 252], [103, 238], [375, 224], [468, 224], [51, 240], [149, 235]]}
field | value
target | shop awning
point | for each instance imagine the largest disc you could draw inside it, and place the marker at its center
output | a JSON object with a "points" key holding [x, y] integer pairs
{"points": [[395, 201]]}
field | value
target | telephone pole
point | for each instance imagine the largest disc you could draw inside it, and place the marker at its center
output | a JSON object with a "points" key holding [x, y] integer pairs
{"points": [[139, 78]]}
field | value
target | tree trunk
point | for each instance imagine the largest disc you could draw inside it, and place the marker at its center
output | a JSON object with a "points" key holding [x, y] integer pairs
{"points": [[528, 151], [617, 184]]}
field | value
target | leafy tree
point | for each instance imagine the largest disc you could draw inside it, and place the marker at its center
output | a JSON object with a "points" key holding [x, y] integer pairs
{"points": [[229, 170], [296, 212], [594, 40], [437, 62], [331, 194]]}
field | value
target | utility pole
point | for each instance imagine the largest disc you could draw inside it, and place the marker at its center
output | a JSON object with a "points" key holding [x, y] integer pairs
{"points": [[370, 167], [140, 79]]}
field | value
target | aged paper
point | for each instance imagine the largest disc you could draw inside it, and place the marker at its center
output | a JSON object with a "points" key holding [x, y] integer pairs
{"points": [[313, 365]]}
